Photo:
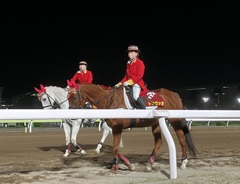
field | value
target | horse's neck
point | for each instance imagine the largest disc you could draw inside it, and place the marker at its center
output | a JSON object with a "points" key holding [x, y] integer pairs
{"points": [[105, 99]]}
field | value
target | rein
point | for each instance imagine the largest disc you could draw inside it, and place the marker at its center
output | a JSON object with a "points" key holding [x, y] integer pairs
{"points": [[111, 92], [80, 97], [96, 103]]}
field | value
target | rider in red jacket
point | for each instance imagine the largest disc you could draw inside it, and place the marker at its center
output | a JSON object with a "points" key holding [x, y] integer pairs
{"points": [[134, 74], [83, 75]]}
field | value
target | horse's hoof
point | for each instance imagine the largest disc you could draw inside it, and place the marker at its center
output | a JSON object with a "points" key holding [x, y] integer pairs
{"points": [[99, 146], [83, 152], [183, 167], [184, 164], [66, 155], [113, 171], [131, 167], [97, 151], [148, 167]]}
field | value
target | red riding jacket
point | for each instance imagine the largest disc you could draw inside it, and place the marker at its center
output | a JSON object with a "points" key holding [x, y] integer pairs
{"points": [[83, 77], [135, 71]]}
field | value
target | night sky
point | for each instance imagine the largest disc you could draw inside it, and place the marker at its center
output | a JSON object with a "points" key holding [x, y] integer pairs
{"points": [[188, 47]]}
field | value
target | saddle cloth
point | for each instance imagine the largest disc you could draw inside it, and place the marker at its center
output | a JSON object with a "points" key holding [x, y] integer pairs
{"points": [[151, 99]]}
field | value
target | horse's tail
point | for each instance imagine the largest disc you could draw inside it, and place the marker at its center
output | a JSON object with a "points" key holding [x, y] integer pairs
{"points": [[191, 147]]}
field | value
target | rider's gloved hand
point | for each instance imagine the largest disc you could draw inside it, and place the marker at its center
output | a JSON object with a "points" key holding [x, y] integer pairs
{"points": [[118, 85], [128, 83], [125, 83]]}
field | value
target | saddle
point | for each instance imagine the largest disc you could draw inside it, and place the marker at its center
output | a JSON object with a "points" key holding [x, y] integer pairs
{"points": [[151, 99]]}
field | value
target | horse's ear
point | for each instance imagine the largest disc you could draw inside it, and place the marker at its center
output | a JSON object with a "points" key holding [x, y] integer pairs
{"points": [[74, 84], [69, 83], [37, 90], [43, 89]]}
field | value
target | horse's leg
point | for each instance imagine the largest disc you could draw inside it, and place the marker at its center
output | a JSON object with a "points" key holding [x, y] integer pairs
{"points": [[156, 131], [75, 129], [67, 132], [117, 136], [110, 131], [130, 166], [116, 131], [106, 131], [177, 126], [184, 137]]}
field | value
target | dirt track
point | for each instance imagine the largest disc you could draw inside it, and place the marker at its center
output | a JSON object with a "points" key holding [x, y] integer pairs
{"points": [[35, 157]]}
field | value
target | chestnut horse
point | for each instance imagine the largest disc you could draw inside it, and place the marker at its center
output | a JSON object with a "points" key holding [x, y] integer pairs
{"points": [[112, 98]]}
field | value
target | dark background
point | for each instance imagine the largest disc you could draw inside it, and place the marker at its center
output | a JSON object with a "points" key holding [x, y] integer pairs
{"points": [[181, 47]]}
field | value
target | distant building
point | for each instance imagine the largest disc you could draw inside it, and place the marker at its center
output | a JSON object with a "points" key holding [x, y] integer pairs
{"points": [[211, 97]]}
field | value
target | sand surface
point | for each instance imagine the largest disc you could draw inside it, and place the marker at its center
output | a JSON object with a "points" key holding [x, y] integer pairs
{"points": [[37, 157]]}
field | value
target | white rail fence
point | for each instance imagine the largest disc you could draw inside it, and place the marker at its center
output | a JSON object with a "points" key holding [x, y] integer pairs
{"points": [[27, 123], [190, 121], [18, 114]]}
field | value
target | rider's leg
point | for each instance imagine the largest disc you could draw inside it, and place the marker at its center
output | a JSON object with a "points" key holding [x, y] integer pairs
{"points": [[136, 92]]}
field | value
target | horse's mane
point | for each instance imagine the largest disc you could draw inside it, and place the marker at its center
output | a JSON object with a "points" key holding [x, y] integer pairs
{"points": [[57, 91], [102, 86], [54, 88]]}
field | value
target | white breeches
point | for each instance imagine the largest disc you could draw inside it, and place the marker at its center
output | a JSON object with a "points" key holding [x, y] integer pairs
{"points": [[136, 91]]}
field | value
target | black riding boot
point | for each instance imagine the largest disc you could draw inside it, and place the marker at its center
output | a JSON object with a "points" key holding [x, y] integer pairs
{"points": [[140, 103]]}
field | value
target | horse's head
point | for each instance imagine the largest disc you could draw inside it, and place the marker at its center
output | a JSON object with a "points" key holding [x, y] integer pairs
{"points": [[97, 95], [47, 99], [75, 99]]}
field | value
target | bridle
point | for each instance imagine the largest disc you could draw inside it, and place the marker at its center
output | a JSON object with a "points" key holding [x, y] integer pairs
{"points": [[55, 105], [80, 97]]}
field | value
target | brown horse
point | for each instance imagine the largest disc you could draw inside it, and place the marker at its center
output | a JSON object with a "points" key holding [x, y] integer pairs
{"points": [[112, 98]]}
